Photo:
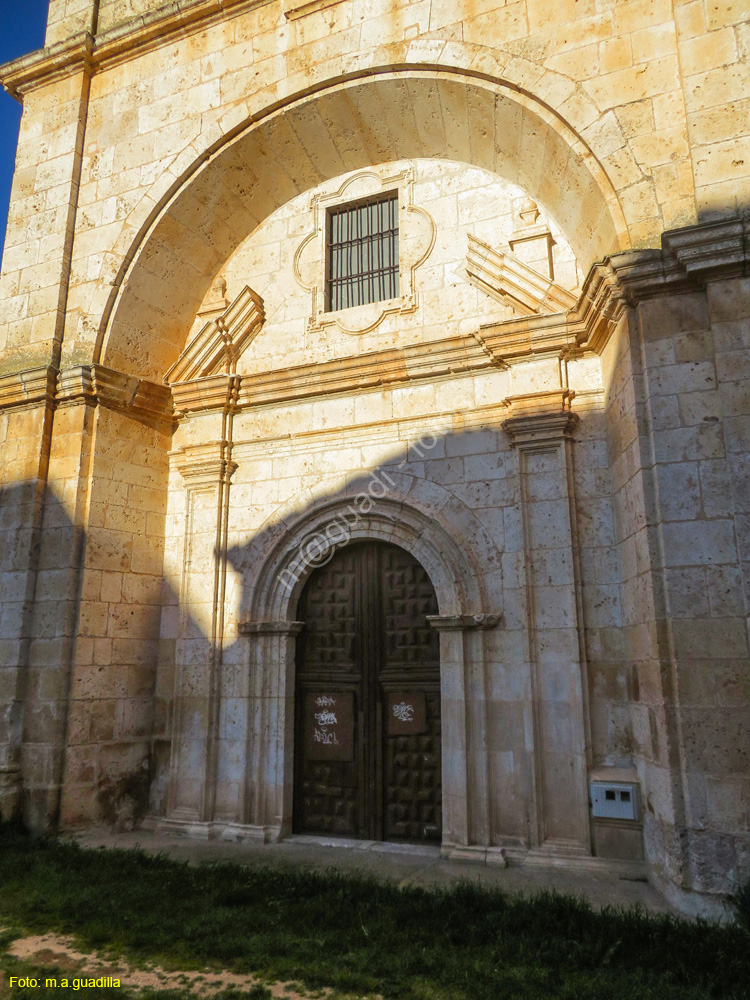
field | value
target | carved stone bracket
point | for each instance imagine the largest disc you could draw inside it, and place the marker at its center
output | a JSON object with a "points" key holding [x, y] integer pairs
{"points": [[464, 623], [270, 628]]}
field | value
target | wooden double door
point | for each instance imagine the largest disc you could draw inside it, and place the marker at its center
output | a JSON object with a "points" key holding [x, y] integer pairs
{"points": [[367, 699]]}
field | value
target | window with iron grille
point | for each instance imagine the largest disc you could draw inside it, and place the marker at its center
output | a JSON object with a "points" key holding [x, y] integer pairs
{"points": [[362, 252]]}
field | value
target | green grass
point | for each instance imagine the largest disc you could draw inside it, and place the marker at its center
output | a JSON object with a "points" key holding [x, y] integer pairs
{"points": [[358, 935]]}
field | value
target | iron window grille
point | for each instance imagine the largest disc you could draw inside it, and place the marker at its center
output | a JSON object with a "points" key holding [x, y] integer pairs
{"points": [[362, 252]]}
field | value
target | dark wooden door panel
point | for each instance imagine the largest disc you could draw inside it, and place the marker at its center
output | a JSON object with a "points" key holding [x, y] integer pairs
{"points": [[412, 772], [326, 792], [367, 639]]}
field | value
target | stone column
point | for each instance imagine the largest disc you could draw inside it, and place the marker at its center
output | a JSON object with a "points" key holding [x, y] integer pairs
{"points": [[464, 737], [540, 429], [266, 799]]}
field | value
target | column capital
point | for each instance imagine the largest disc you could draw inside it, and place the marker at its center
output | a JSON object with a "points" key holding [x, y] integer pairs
{"points": [[464, 623], [540, 418], [204, 466]]}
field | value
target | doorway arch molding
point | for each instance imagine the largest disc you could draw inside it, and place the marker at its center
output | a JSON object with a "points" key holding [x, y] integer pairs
{"points": [[176, 240], [453, 571], [271, 631]]}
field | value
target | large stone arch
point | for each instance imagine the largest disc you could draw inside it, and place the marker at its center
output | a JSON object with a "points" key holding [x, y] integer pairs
{"points": [[392, 114]]}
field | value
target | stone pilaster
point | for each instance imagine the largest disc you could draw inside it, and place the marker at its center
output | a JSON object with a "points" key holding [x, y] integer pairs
{"points": [[266, 799], [540, 429], [206, 471], [465, 729]]}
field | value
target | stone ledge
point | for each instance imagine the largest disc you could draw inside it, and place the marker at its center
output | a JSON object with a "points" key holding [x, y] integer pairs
{"points": [[23, 388], [114, 390], [688, 259], [293, 9]]}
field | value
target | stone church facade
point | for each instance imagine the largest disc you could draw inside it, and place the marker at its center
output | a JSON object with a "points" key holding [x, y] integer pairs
{"points": [[375, 428]]}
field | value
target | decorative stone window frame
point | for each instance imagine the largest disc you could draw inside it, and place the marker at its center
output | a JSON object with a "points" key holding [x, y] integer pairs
{"points": [[309, 264]]}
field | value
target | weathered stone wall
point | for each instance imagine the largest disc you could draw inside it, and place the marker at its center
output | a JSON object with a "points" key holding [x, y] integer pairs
{"points": [[114, 669], [192, 141]]}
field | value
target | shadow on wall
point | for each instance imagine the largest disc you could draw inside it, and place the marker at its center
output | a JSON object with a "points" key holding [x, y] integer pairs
{"points": [[451, 500], [96, 713], [459, 488], [68, 716]]}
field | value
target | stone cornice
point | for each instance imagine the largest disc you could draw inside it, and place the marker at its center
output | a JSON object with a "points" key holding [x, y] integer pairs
{"points": [[23, 388], [83, 52], [93, 384], [73, 55], [688, 259], [114, 390], [216, 392], [429, 360]]}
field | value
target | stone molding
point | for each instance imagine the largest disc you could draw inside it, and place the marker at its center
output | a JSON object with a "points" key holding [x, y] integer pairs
{"points": [[95, 384], [219, 344], [273, 578], [217, 392], [32, 386], [418, 361], [536, 421], [84, 52], [689, 258], [270, 628], [293, 9], [310, 256], [506, 278], [464, 623], [203, 376], [204, 467]]}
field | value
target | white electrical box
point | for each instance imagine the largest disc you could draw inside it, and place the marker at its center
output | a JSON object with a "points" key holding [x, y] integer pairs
{"points": [[614, 800]]}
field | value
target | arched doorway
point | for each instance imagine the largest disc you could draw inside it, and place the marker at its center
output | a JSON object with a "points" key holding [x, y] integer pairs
{"points": [[367, 699]]}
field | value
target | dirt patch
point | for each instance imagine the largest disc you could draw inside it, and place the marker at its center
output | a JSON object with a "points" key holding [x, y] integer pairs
{"points": [[53, 950]]}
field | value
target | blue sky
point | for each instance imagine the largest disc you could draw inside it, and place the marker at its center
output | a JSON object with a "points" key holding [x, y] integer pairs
{"points": [[22, 24]]}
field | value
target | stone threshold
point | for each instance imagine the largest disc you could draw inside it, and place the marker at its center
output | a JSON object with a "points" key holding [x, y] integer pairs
{"points": [[381, 846]]}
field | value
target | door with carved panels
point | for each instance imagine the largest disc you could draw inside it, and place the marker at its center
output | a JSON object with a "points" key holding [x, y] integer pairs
{"points": [[367, 699]]}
